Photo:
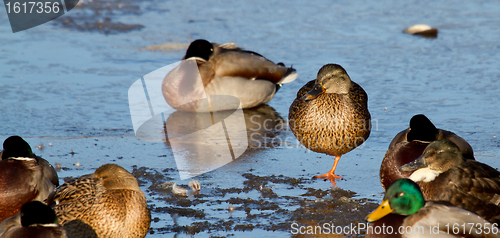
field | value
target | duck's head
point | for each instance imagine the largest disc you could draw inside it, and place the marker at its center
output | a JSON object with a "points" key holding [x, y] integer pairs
{"points": [[422, 129], [15, 146], [332, 78], [116, 177], [438, 157], [403, 197], [35, 212], [200, 48]]}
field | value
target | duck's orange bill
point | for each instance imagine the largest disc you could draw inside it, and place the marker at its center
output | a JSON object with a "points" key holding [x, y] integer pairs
{"points": [[315, 92], [380, 212]]}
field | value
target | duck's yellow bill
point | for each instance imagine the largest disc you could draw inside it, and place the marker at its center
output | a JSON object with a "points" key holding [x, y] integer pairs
{"points": [[380, 212], [315, 92]]}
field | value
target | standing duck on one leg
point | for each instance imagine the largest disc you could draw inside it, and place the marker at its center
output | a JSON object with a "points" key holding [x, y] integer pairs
{"points": [[330, 115]]}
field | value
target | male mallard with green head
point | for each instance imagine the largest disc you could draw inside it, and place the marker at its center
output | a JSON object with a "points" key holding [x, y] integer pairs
{"points": [[107, 203], [35, 220], [424, 219], [330, 115]]}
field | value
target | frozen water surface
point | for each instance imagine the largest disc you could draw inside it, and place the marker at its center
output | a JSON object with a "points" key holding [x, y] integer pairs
{"points": [[64, 85]]}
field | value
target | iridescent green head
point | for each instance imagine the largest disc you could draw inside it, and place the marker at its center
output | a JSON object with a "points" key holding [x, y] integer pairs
{"points": [[35, 212], [422, 129], [200, 48], [15, 146], [402, 197]]}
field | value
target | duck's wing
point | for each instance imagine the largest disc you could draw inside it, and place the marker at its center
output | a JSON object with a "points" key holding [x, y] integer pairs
{"points": [[250, 65], [442, 220], [462, 144], [9, 223], [472, 185], [48, 170], [219, 49], [75, 196], [400, 137], [358, 94]]}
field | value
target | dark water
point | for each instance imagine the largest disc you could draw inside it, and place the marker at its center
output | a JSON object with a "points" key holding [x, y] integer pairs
{"points": [[64, 85]]}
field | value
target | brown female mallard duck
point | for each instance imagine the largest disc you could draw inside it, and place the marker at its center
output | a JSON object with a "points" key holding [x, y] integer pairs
{"points": [[225, 70], [24, 177], [444, 175], [330, 115], [107, 203], [409, 144], [412, 216]]}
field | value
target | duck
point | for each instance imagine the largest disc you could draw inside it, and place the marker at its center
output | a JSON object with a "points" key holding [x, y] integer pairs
{"points": [[35, 220], [409, 144], [24, 177], [404, 203], [330, 115], [230, 75], [106, 203], [444, 175], [422, 30]]}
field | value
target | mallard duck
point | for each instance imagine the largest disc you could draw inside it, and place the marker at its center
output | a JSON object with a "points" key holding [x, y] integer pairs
{"points": [[444, 175], [24, 177], [409, 144], [418, 218], [330, 115], [225, 70], [107, 203], [422, 30], [34, 220]]}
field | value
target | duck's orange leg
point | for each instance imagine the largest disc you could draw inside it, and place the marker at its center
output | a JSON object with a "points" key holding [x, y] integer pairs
{"points": [[330, 175]]}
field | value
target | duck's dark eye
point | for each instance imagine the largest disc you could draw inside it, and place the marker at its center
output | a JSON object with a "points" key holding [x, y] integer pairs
{"points": [[401, 194]]}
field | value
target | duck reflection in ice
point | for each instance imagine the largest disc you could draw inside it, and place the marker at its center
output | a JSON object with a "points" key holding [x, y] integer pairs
{"points": [[265, 128], [202, 142]]}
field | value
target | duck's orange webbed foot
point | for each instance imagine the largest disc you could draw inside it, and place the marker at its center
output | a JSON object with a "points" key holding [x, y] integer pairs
{"points": [[331, 174], [328, 176]]}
